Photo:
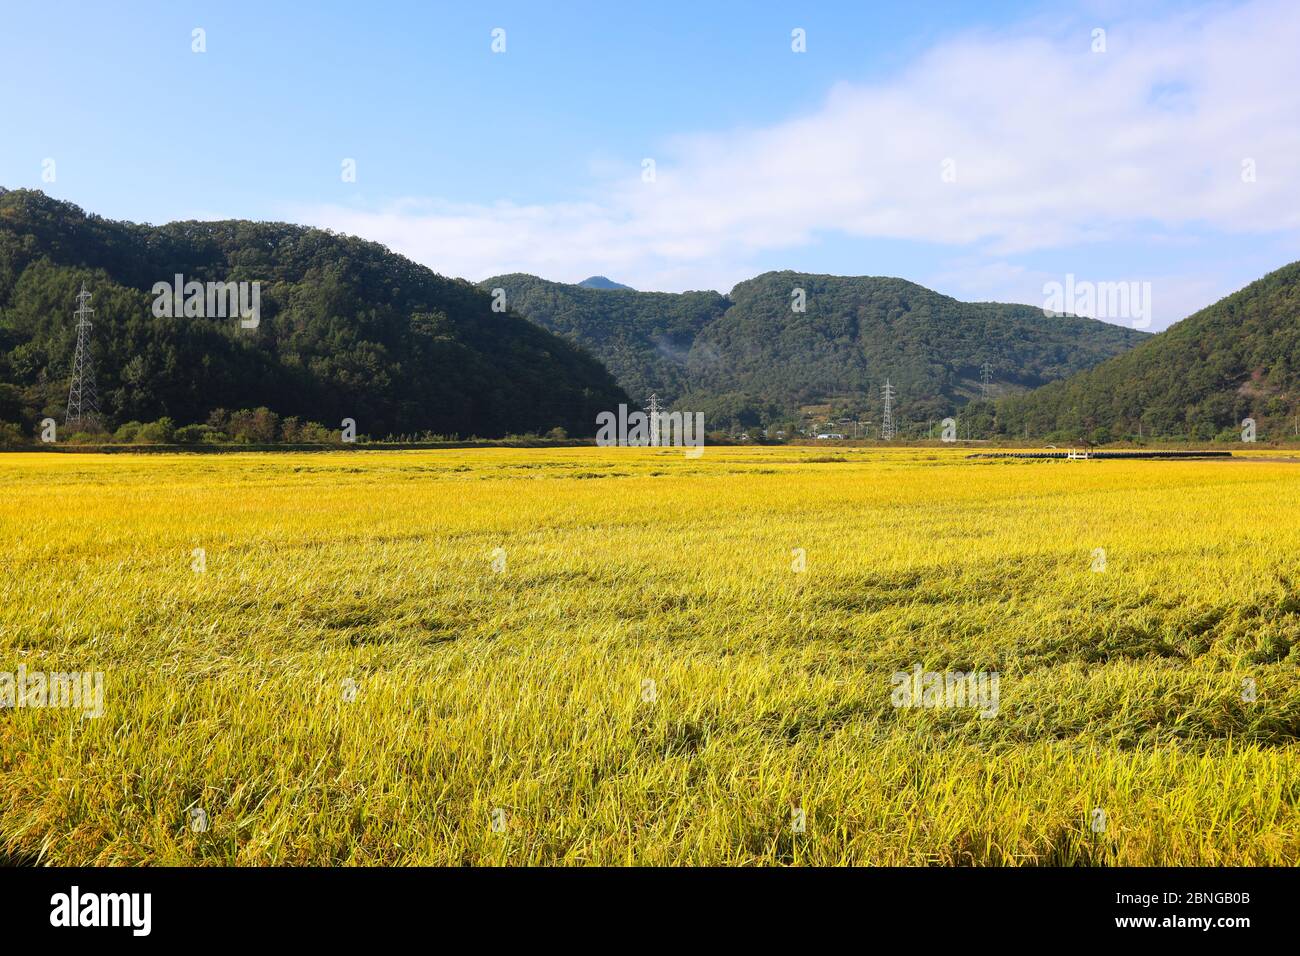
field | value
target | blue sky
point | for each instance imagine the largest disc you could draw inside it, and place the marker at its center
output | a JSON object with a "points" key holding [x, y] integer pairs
{"points": [[1115, 165]]}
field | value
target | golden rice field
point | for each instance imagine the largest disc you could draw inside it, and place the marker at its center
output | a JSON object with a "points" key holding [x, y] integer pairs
{"points": [[355, 674]]}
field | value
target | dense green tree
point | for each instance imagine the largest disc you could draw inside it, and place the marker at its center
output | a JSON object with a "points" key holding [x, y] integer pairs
{"points": [[347, 330], [1198, 379], [750, 357], [643, 338]]}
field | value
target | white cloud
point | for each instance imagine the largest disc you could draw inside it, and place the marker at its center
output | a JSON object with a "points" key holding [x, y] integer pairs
{"points": [[1173, 296], [1054, 146]]}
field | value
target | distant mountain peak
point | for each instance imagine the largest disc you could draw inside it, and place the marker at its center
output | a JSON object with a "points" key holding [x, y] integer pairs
{"points": [[600, 282]]}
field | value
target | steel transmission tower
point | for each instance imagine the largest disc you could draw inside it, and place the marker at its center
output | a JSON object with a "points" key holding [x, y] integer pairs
{"points": [[652, 411], [83, 402], [887, 419], [986, 376]]}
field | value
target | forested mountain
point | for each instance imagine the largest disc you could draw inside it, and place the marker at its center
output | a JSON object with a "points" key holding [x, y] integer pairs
{"points": [[643, 338], [750, 357], [1238, 358], [347, 329]]}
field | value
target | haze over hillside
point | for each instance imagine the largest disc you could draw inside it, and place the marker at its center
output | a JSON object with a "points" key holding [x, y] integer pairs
{"points": [[347, 329], [749, 357]]}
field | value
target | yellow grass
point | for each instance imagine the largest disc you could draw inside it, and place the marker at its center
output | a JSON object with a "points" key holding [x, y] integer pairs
{"points": [[527, 687]]}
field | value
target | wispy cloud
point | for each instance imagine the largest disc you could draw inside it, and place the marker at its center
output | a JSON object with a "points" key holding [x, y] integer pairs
{"points": [[1048, 146]]}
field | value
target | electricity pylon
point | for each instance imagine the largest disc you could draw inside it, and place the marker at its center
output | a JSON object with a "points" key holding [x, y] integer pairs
{"points": [[83, 401], [652, 412], [887, 419]]}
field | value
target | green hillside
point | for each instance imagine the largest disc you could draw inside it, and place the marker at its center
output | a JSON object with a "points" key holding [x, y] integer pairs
{"points": [[749, 357], [1238, 358], [643, 338], [347, 329]]}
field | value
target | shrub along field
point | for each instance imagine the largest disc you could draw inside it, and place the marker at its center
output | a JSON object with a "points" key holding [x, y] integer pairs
{"points": [[582, 655]]}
